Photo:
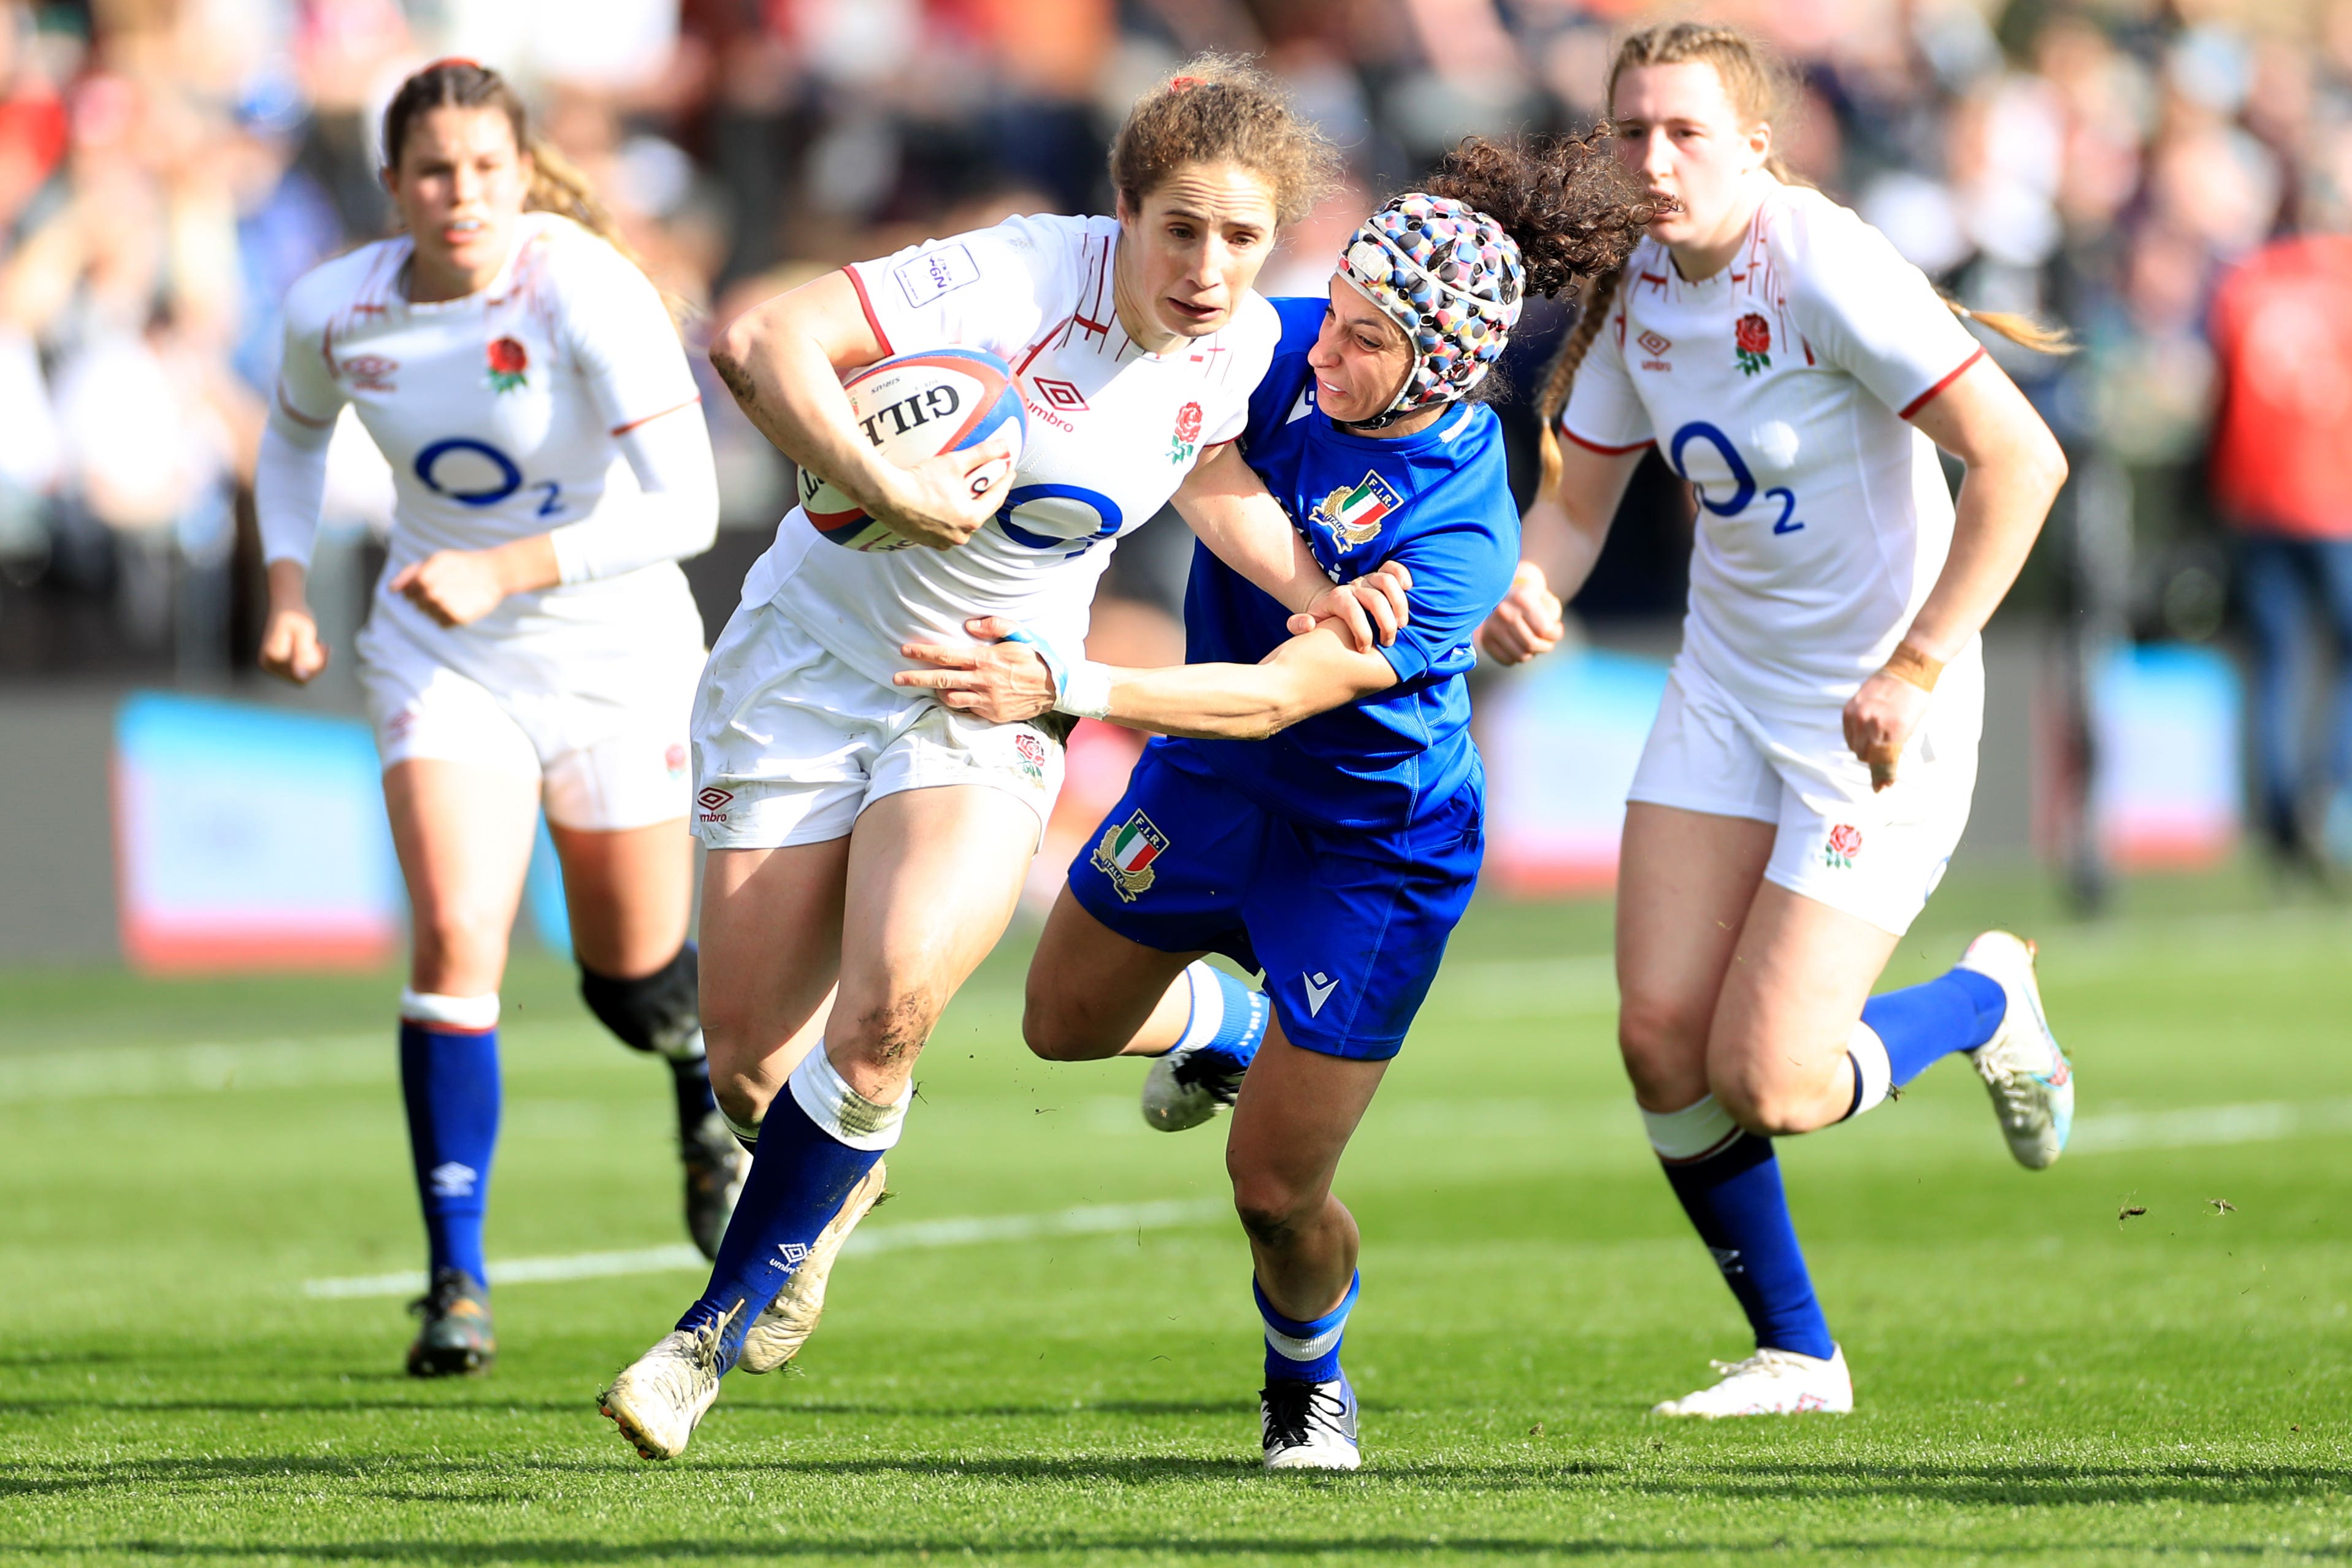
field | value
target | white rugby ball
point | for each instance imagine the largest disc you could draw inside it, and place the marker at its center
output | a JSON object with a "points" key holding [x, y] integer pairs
{"points": [[913, 407]]}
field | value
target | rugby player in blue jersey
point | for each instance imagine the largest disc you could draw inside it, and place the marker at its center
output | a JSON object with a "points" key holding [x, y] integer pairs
{"points": [[1316, 811]]}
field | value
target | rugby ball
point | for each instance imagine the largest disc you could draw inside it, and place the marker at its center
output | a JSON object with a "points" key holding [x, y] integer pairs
{"points": [[912, 407]]}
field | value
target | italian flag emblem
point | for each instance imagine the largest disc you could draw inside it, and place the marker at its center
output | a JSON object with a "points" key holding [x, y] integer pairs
{"points": [[1127, 852], [1354, 516]]}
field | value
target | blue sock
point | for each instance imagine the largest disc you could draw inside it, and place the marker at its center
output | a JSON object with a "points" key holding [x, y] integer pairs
{"points": [[1920, 1025], [801, 1174], [449, 1078], [1229, 1015], [1729, 1185], [1305, 1352]]}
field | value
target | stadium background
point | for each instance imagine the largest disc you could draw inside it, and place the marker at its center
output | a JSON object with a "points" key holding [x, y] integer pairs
{"points": [[167, 167]]}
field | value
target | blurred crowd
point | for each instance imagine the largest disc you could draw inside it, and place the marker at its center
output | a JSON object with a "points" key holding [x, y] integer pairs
{"points": [[167, 167]]}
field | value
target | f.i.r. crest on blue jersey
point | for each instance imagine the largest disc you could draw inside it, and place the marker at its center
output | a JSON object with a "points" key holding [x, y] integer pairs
{"points": [[1352, 517]]}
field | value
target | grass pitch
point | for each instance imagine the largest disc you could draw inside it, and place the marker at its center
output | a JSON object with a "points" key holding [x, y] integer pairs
{"points": [[2038, 1379]]}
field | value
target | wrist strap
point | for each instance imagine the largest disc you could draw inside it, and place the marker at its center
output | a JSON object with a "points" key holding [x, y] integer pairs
{"points": [[1081, 686], [1907, 663]]}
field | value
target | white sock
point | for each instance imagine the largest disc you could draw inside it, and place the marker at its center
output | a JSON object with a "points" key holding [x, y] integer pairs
{"points": [[1208, 1014], [1691, 1133], [745, 1135], [450, 1012], [842, 1110], [1874, 1075]]}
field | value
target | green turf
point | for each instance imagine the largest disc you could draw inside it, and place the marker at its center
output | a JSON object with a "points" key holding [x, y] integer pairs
{"points": [[2038, 1381]]}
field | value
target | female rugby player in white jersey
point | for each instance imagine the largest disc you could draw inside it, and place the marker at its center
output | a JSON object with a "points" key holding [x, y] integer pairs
{"points": [[861, 833], [532, 640], [1812, 765]]}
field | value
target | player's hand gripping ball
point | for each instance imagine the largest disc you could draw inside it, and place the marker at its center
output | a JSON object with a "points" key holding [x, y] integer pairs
{"points": [[914, 407]]}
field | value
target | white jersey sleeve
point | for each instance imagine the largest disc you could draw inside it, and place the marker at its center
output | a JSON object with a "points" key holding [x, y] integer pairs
{"points": [[620, 336], [986, 289], [289, 482], [1603, 412], [1870, 313]]}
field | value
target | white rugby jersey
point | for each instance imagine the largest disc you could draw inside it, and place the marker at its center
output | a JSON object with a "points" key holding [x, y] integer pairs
{"points": [[1112, 432], [1780, 387], [499, 414]]}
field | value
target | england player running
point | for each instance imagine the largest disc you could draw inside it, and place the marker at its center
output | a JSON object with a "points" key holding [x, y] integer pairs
{"points": [[869, 844], [532, 642], [1811, 768], [1322, 817]]}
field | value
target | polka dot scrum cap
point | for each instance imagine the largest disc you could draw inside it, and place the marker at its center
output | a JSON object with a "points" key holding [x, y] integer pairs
{"points": [[1451, 278]]}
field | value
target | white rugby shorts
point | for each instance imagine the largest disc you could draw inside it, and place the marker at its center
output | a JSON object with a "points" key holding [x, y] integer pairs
{"points": [[1876, 856], [607, 759], [790, 744]]}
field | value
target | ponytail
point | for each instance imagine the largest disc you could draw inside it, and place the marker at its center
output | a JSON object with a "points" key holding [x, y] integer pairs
{"points": [[2023, 330], [1600, 297]]}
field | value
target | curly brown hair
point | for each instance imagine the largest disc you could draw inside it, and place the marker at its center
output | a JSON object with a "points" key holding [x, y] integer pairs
{"points": [[1217, 108], [1566, 202]]}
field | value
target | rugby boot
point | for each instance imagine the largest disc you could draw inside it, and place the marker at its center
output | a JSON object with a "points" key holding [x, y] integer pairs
{"points": [[716, 1165], [659, 1399], [1309, 1426], [777, 1334], [1190, 1084], [1770, 1383], [2030, 1079], [456, 1338]]}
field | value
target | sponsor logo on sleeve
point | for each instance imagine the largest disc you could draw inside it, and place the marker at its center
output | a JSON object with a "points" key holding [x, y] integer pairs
{"points": [[367, 372], [934, 272]]}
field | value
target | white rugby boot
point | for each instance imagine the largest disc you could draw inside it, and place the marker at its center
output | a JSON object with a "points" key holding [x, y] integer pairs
{"points": [[1770, 1383], [1190, 1084], [659, 1398], [2030, 1079], [777, 1334], [1309, 1426]]}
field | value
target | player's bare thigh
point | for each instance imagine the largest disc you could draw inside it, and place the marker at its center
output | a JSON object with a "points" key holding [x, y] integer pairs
{"points": [[1776, 1057], [627, 893], [771, 941], [1093, 993], [1685, 881], [462, 835], [889, 921]]}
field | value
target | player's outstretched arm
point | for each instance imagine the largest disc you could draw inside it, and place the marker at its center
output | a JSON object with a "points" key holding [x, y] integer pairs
{"points": [[1003, 681], [1228, 508], [1561, 537], [2014, 470], [783, 358]]}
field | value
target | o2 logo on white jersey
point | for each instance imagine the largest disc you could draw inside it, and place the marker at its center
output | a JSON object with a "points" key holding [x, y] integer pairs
{"points": [[938, 272], [458, 467], [1743, 481], [1078, 516]]}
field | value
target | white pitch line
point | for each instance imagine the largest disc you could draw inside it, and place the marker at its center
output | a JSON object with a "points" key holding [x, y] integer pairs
{"points": [[1103, 1219], [2206, 1126]]}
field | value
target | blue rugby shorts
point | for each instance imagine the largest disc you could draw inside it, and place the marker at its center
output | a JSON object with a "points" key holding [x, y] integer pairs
{"points": [[1349, 925]]}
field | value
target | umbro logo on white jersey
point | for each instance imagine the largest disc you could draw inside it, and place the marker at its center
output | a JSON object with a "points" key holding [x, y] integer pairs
{"points": [[1319, 987], [450, 1179], [791, 1254]]}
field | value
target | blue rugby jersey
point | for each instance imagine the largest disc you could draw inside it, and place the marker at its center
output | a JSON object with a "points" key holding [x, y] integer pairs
{"points": [[1440, 502]]}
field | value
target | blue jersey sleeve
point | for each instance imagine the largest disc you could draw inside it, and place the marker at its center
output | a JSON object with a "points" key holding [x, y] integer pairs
{"points": [[1287, 387], [1461, 569]]}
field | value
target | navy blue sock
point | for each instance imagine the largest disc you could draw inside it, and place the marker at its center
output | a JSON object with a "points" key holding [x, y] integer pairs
{"points": [[449, 1078], [799, 1180], [1920, 1025], [1734, 1198], [1306, 1351]]}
